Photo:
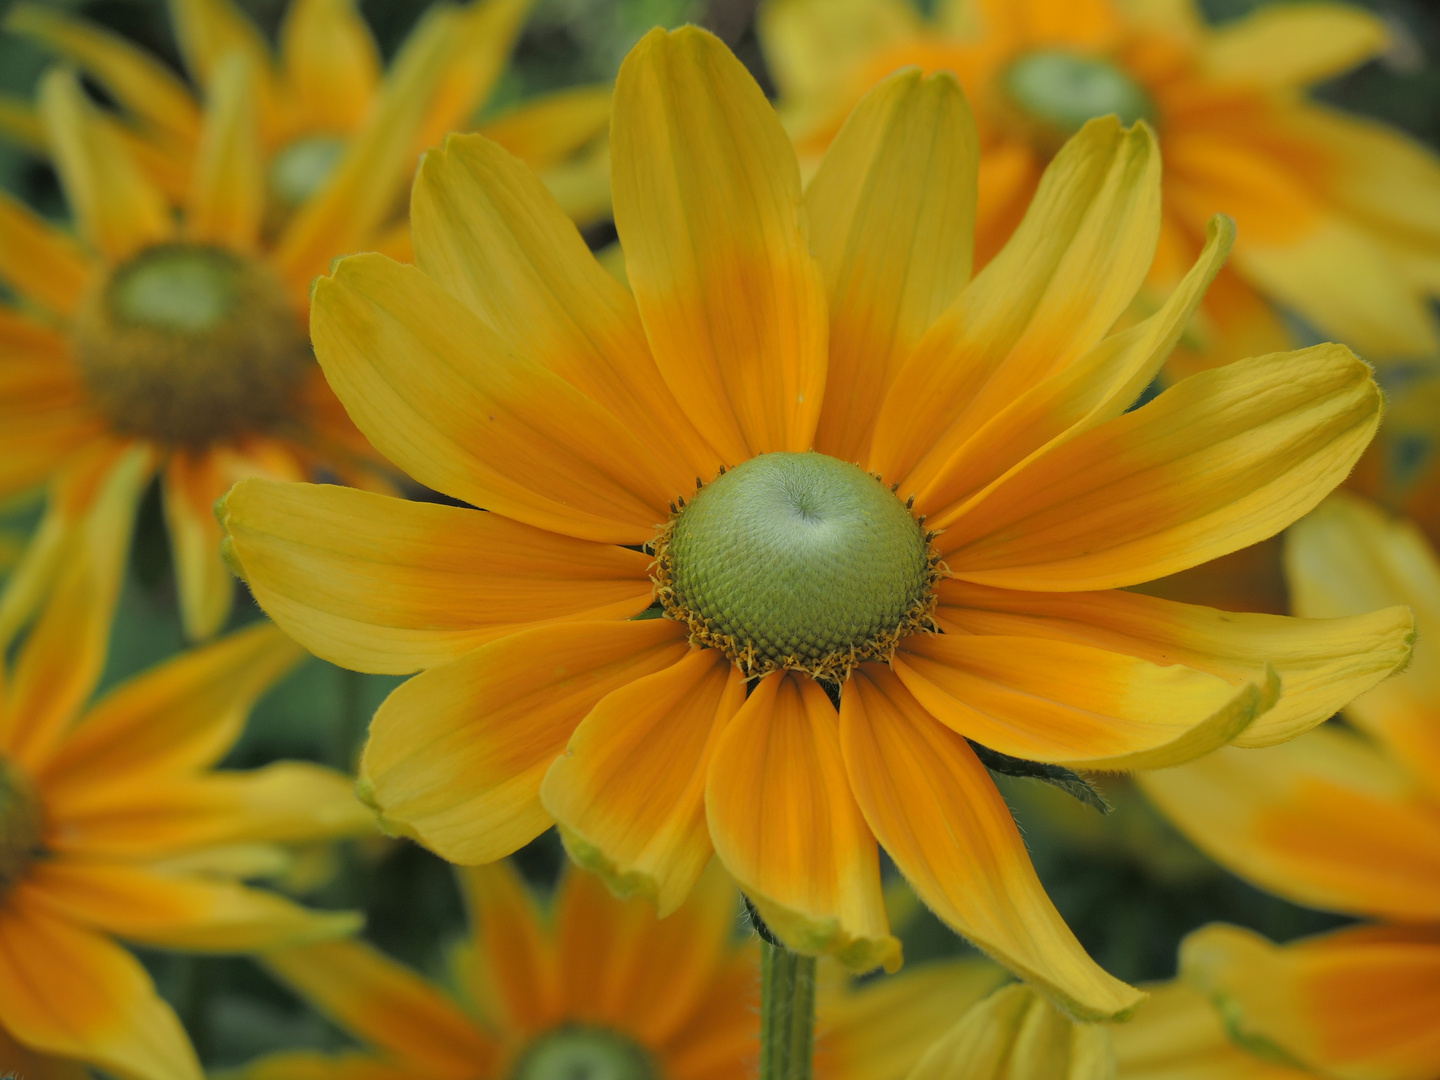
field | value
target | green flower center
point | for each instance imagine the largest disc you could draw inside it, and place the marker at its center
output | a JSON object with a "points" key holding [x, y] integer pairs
{"points": [[584, 1053], [797, 561], [300, 169], [1057, 92], [188, 343], [20, 825]]}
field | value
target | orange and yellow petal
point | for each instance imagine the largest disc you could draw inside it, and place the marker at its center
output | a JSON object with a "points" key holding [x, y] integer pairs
{"points": [[1355, 1004], [1348, 556], [67, 990], [708, 207], [178, 911], [387, 1006], [456, 755], [1322, 663], [511, 969], [487, 231], [892, 218], [1177, 1034], [117, 208], [936, 811], [442, 395], [1045, 699], [608, 950], [1325, 820], [786, 826], [34, 1066], [285, 802], [1292, 45], [545, 131], [1015, 1034], [1217, 462], [41, 263], [381, 584], [1072, 267], [646, 839], [177, 718], [879, 1029], [227, 188], [717, 1041], [307, 1065], [330, 62]]}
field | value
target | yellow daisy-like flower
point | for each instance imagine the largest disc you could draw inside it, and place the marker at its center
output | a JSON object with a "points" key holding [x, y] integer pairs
{"points": [[315, 97], [1336, 214], [600, 987], [186, 334], [1342, 819], [114, 824], [1004, 493]]}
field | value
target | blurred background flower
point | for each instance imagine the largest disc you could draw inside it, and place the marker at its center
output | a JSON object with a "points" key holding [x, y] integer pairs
{"points": [[1128, 883]]}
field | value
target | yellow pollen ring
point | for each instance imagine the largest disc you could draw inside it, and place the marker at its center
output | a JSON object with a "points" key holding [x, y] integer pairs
{"points": [[21, 825], [187, 343], [799, 562]]}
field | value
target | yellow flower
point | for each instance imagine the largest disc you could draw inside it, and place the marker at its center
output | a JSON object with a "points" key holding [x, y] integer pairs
{"points": [[599, 988], [508, 370], [1337, 215], [114, 824], [186, 333], [1345, 819]]}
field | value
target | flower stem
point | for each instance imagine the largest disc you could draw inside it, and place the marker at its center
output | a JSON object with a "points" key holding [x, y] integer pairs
{"points": [[787, 1013]]}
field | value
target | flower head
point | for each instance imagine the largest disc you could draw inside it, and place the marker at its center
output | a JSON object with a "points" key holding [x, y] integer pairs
{"points": [[1334, 212], [114, 824], [1345, 819], [665, 702], [177, 323]]}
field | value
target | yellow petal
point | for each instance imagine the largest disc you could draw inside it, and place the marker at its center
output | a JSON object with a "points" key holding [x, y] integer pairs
{"points": [[786, 826], [173, 911], [375, 583], [488, 232], [59, 664], [1045, 699], [1322, 663], [331, 63], [878, 1029], [892, 222], [1097, 387], [1178, 1035], [608, 951], [1070, 270], [544, 131], [181, 716], [1348, 557], [227, 192], [39, 261], [386, 1005], [116, 207], [812, 45], [1356, 1004], [133, 77], [647, 839], [511, 968], [1341, 278], [456, 755], [208, 31], [707, 203], [67, 990], [440, 394], [35, 1066], [306, 1065], [1324, 820], [1292, 45], [285, 802], [1015, 1034], [936, 811], [1219, 461]]}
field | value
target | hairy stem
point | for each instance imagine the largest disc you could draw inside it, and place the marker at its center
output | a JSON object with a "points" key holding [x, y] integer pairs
{"points": [[787, 1013]]}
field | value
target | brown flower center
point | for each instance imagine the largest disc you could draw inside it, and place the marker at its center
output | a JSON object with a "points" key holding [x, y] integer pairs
{"points": [[187, 344]]}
